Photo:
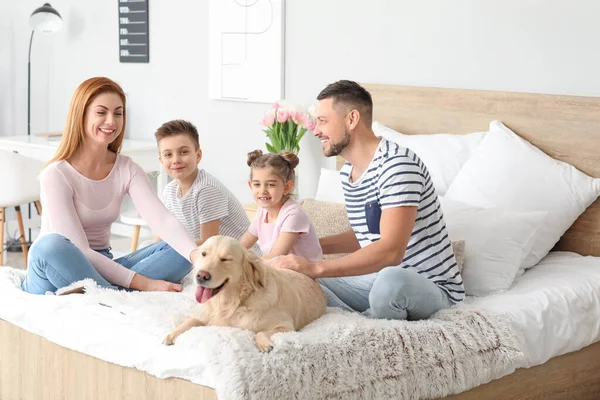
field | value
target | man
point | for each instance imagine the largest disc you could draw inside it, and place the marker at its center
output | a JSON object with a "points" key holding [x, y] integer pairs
{"points": [[401, 264]]}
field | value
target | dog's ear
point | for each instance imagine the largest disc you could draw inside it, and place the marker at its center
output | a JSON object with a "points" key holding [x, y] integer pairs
{"points": [[254, 269]]}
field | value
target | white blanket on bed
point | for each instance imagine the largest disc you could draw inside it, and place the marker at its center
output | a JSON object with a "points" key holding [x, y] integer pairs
{"points": [[339, 356]]}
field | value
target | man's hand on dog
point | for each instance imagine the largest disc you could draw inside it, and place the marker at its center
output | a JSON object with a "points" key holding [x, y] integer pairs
{"points": [[296, 263]]}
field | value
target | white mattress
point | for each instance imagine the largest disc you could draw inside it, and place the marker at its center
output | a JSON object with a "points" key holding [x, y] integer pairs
{"points": [[555, 309], [555, 306]]}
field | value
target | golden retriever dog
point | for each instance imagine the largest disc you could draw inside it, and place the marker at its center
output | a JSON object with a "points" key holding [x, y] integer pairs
{"points": [[236, 288]]}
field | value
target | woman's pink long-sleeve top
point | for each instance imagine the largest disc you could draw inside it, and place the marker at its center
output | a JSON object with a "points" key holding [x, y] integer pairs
{"points": [[82, 210]]}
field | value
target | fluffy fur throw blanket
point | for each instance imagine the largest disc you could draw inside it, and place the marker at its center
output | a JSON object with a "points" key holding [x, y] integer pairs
{"points": [[339, 356], [347, 356]]}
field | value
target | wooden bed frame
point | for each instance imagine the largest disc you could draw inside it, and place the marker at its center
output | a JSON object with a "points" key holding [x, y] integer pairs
{"points": [[565, 127]]}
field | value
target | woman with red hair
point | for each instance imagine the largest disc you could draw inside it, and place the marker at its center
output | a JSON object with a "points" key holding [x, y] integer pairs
{"points": [[82, 189]]}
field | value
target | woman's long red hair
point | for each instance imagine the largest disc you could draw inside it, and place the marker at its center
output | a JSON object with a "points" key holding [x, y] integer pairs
{"points": [[74, 132]]}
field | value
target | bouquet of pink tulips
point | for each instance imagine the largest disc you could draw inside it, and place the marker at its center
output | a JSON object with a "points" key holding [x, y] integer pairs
{"points": [[285, 125]]}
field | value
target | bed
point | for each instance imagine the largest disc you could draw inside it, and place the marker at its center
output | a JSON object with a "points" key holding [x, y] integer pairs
{"points": [[32, 367]]}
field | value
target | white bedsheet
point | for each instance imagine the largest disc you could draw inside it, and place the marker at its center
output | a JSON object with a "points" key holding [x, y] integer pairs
{"points": [[127, 333], [555, 308]]}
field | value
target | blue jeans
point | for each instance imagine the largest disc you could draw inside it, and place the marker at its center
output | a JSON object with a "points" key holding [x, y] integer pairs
{"points": [[392, 293], [55, 262]]}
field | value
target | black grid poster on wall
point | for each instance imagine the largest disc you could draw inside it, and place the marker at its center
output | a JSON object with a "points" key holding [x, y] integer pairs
{"points": [[134, 41]]}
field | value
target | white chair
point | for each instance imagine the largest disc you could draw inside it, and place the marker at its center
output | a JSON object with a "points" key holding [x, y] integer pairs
{"points": [[18, 185], [133, 218]]}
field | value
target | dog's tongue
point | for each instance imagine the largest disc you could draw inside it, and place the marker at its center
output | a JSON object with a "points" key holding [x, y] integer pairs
{"points": [[203, 294]]}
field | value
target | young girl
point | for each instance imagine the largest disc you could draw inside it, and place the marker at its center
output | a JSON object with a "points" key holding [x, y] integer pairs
{"points": [[281, 226]]}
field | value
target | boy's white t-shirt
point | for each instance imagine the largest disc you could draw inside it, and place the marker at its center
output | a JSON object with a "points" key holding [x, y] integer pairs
{"points": [[207, 200]]}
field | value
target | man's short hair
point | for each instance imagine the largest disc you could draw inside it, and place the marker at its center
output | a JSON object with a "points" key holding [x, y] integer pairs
{"points": [[178, 127], [352, 95]]}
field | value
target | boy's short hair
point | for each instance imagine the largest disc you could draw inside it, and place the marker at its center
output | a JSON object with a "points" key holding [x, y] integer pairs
{"points": [[178, 127]]}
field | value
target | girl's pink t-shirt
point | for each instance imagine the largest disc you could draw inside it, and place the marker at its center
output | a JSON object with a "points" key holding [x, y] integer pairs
{"points": [[291, 218]]}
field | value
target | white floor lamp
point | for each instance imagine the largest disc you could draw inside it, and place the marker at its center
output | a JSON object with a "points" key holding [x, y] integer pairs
{"points": [[44, 19]]}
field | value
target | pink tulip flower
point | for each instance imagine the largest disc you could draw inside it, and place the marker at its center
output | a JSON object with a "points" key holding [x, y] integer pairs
{"points": [[298, 117], [283, 116], [268, 119], [310, 124]]}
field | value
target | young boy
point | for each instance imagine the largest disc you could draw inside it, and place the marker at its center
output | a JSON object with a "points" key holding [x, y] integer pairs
{"points": [[201, 202]]}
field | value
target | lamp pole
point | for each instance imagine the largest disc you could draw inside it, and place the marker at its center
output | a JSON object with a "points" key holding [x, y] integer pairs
{"points": [[48, 20], [29, 86]]}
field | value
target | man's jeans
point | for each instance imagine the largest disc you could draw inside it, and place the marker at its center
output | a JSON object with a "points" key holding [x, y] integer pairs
{"points": [[392, 293]]}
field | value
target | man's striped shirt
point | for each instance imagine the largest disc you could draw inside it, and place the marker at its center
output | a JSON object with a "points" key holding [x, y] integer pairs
{"points": [[207, 200], [395, 178]]}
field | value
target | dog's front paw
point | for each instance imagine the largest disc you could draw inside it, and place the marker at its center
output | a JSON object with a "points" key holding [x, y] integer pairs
{"points": [[169, 339], [263, 342]]}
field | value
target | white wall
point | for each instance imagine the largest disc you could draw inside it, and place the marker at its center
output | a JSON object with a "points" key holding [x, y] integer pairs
{"points": [[545, 46], [7, 66]]}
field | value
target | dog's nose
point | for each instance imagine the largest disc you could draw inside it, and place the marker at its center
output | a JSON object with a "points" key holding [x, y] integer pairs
{"points": [[203, 276]]}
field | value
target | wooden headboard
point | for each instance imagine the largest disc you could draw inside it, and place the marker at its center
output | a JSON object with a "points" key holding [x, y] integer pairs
{"points": [[566, 128]]}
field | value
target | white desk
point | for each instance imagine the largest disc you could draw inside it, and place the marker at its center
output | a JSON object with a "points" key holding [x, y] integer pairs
{"points": [[143, 152]]}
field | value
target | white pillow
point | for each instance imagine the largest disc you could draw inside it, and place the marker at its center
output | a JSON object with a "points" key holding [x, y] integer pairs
{"points": [[330, 187], [443, 154], [507, 171], [496, 242]]}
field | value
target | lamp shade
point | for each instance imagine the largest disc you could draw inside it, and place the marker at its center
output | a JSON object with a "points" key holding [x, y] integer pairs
{"points": [[45, 19]]}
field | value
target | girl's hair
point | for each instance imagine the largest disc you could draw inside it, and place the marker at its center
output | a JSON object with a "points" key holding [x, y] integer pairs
{"points": [[74, 132], [283, 164]]}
